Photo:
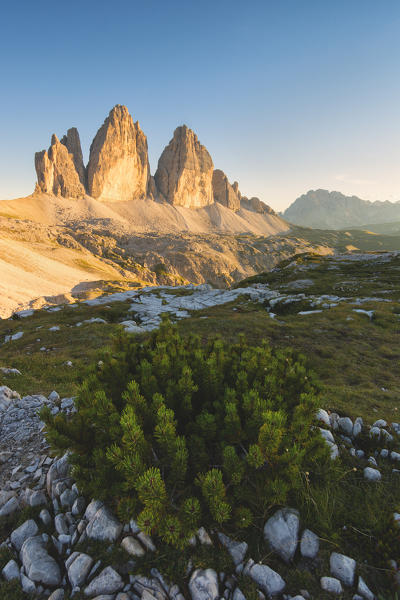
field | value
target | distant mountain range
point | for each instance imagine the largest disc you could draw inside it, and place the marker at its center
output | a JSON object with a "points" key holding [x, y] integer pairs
{"points": [[322, 209]]}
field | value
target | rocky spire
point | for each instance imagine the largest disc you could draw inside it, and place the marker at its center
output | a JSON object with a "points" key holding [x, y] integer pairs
{"points": [[73, 144], [56, 171], [118, 168], [224, 192], [185, 169]]}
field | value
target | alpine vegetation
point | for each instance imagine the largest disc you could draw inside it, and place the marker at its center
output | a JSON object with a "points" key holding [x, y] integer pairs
{"points": [[177, 434]]}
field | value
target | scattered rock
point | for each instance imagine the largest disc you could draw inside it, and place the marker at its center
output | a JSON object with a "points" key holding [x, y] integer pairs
{"points": [[104, 526], [323, 416], [236, 549], [203, 585], [38, 564], [22, 533], [331, 585], [309, 544], [107, 582], [269, 581], [364, 590], [132, 546], [343, 567], [9, 507], [357, 427], [10, 571], [281, 532], [371, 474], [346, 425], [79, 569]]}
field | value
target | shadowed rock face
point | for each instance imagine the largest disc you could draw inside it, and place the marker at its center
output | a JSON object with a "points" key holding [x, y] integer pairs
{"points": [[224, 192], [185, 170], [73, 144], [118, 168], [56, 171]]}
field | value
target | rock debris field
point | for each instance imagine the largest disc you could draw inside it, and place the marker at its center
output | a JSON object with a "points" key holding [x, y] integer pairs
{"points": [[149, 303], [42, 549]]}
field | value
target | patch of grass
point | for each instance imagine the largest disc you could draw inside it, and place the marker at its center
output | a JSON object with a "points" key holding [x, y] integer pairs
{"points": [[43, 371], [248, 588], [12, 590], [290, 308], [354, 357], [110, 555], [172, 563], [10, 522], [5, 556], [177, 291], [343, 353]]}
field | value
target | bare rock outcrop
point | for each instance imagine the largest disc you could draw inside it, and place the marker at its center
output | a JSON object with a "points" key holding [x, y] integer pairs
{"points": [[118, 168], [185, 170], [224, 192], [56, 171], [73, 143], [256, 205]]}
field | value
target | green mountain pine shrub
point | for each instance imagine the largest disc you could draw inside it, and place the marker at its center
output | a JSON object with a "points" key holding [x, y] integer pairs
{"points": [[177, 434]]}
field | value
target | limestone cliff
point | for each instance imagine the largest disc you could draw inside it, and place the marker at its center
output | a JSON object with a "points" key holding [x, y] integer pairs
{"points": [[185, 170], [118, 168], [56, 171]]}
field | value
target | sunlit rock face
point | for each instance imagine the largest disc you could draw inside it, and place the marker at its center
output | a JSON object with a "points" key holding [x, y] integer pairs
{"points": [[256, 205], [73, 143], [118, 168], [185, 170], [56, 170], [224, 192]]}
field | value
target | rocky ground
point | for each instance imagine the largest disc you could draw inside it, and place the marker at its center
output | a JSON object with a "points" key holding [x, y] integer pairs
{"points": [[49, 551], [88, 254], [295, 294], [58, 544]]}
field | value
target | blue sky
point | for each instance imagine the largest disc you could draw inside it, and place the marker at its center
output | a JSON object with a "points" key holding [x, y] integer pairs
{"points": [[287, 95]]}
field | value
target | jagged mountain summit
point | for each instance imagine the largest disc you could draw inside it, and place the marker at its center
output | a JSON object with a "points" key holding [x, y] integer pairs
{"points": [[118, 169], [110, 223], [185, 171], [333, 210], [57, 168]]}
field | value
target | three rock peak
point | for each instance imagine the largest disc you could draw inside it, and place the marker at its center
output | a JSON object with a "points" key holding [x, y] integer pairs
{"points": [[119, 170]]}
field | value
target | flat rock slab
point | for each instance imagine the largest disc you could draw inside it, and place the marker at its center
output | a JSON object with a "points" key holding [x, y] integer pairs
{"points": [[38, 564]]}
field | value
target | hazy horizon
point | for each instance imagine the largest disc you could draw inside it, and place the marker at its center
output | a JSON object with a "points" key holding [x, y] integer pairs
{"points": [[286, 97]]}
